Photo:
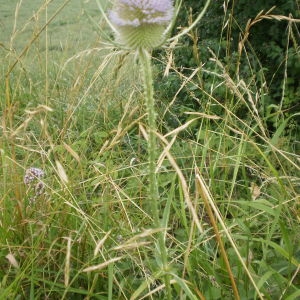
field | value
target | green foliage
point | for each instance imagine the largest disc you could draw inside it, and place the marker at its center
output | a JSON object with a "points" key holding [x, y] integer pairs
{"points": [[268, 61]]}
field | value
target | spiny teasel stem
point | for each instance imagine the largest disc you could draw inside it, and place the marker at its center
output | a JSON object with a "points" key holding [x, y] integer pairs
{"points": [[153, 198]]}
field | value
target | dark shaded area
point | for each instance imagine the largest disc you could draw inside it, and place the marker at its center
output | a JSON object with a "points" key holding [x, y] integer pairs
{"points": [[270, 55]]}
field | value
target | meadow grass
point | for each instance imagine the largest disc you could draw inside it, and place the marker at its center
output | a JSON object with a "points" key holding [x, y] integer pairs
{"points": [[73, 106]]}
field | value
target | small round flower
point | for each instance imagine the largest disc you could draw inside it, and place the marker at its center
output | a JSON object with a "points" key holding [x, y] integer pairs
{"points": [[141, 23], [32, 178], [33, 174]]}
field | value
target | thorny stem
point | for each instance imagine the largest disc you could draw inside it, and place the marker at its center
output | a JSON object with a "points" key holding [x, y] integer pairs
{"points": [[145, 61]]}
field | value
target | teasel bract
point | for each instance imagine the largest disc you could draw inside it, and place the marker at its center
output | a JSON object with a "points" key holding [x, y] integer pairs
{"points": [[141, 23]]}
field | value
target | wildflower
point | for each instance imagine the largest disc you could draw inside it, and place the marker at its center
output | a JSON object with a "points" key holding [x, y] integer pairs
{"points": [[33, 174], [141, 23], [32, 177]]}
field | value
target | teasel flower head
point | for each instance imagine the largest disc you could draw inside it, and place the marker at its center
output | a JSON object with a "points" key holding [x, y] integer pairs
{"points": [[141, 23]]}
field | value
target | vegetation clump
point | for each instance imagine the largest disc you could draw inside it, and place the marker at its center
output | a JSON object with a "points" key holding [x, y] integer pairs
{"points": [[78, 219]]}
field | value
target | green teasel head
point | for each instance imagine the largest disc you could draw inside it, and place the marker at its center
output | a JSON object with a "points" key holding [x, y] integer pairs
{"points": [[141, 23]]}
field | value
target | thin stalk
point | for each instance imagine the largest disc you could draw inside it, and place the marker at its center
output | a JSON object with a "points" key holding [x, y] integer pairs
{"points": [[153, 199], [204, 195]]}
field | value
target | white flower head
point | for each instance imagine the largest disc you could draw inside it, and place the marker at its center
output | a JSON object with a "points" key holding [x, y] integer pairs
{"points": [[141, 23]]}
